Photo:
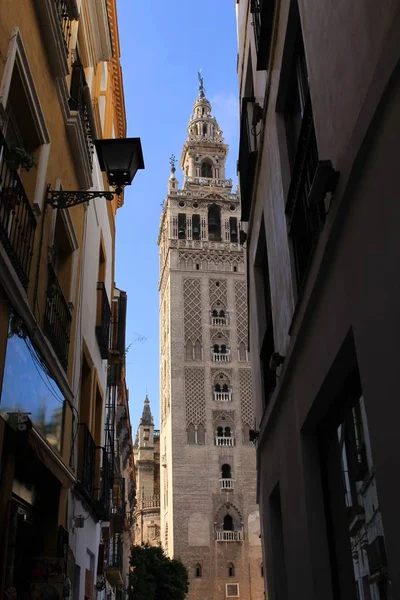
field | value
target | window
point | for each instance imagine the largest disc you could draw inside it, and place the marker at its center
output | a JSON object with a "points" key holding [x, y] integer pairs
{"points": [[226, 471], [196, 227], [227, 432], [181, 226], [191, 434], [264, 313], [233, 229], [197, 351], [214, 223], [206, 169], [228, 523], [305, 212], [189, 350], [263, 11], [198, 570], [231, 570], [232, 590], [242, 352], [205, 133], [146, 435], [247, 145]]}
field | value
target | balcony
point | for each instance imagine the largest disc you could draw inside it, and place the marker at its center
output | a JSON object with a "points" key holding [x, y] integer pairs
{"points": [[208, 181], [148, 503], [114, 560], [224, 441], [80, 124], [56, 17], [86, 462], [227, 484], [221, 357], [57, 317], [263, 18], [118, 509], [229, 536], [17, 220], [103, 490], [223, 396], [118, 326], [219, 320], [103, 320], [247, 158]]}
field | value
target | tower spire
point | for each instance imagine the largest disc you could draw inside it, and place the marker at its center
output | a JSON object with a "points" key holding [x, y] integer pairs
{"points": [[201, 85], [147, 418]]}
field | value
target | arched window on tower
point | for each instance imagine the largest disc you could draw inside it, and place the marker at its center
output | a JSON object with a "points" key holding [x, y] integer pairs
{"points": [[214, 223], [189, 350], [198, 570], [206, 169], [197, 351], [231, 570], [205, 130], [191, 434], [227, 432], [228, 523], [242, 352], [226, 471], [201, 435], [196, 227], [220, 431]]}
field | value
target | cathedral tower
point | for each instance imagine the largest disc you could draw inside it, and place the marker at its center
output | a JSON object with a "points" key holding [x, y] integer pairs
{"points": [[209, 515], [146, 451]]}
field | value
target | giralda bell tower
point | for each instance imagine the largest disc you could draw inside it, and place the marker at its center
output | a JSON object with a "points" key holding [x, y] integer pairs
{"points": [[209, 515]]}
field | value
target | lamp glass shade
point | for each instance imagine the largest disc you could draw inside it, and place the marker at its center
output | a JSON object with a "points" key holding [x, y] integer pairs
{"points": [[120, 158]]}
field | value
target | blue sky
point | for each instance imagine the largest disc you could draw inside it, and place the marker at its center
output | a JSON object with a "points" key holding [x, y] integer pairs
{"points": [[163, 44]]}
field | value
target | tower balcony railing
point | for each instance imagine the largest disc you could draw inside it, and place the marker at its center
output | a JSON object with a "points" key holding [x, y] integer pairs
{"points": [[221, 357], [17, 219], [227, 484], [209, 181], [223, 396], [148, 502], [224, 441], [229, 536], [57, 317], [219, 320]]}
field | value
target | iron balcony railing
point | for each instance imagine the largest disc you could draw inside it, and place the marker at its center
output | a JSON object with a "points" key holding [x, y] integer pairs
{"points": [[17, 219], [80, 101], [263, 18], [57, 317], [114, 552], [247, 158], [65, 22], [87, 461], [305, 219], [102, 504], [229, 536], [103, 320], [118, 509]]}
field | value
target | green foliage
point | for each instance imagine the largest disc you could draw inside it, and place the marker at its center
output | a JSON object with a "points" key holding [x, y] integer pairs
{"points": [[154, 576]]}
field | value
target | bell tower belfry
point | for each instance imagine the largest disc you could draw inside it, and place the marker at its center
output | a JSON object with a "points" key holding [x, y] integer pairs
{"points": [[209, 514]]}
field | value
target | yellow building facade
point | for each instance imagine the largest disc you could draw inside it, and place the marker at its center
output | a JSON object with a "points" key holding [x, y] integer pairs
{"points": [[62, 321]]}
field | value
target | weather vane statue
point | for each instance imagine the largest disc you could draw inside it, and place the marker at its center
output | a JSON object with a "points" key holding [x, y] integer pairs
{"points": [[201, 84], [172, 162]]}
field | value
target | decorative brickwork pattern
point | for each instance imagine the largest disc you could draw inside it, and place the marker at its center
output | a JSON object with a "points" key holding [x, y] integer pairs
{"points": [[192, 310], [241, 311], [218, 293], [246, 398], [195, 396]]}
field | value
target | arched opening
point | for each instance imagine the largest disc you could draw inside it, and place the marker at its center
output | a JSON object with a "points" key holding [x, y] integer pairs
{"points": [[228, 523], [215, 313], [201, 434], [231, 570], [214, 223], [191, 434], [205, 131], [189, 350], [227, 432], [198, 571], [225, 387], [222, 314], [220, 431], [197, 351], [226, 471], [223, 349], [217, 387], [216, 348], [206, 169], [242, 352]]}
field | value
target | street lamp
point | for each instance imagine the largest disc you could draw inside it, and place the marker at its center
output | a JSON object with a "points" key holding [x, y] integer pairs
{"points": [[120, 158]]}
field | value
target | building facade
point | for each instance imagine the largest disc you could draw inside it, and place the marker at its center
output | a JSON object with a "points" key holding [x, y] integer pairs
{"points": [[60, 370], [209, 514], [146, 452], [320, 108]]}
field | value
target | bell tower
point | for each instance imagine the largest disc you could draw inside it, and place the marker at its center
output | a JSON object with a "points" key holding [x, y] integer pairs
{"points": [[209, 514]]}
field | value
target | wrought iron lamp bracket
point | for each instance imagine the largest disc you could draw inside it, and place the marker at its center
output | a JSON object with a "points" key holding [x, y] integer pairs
{"points": [[66, 199]]}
